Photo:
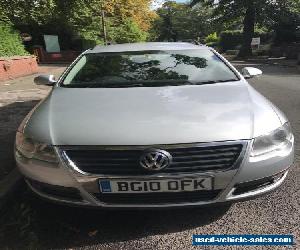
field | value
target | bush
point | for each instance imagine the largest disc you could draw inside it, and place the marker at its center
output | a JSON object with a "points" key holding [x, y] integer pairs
{"points": [[212, 44], [232, 39], [212, 38], [11, 43], [265, 36]]}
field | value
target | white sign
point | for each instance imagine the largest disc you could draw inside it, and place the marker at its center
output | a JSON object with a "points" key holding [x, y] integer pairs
{"points": [[255, 41], [52, 44]]}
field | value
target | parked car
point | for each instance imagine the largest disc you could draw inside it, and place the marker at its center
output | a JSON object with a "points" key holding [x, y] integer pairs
{"points": [[152, 125]]}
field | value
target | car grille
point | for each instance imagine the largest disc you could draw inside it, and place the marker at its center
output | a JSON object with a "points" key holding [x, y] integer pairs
{"points": [[126, 162], [157, 198]]}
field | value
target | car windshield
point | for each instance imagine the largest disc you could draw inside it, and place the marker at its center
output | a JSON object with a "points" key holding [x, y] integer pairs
{"points": [[148, 69]]}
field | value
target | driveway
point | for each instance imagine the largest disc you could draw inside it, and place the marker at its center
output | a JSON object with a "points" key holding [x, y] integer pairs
{"points": [[36, 224]]}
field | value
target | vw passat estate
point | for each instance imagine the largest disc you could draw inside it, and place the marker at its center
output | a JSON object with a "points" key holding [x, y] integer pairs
{"points": [[153, 125]]}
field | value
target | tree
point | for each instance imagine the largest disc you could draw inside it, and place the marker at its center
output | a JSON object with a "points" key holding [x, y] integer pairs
{"points": [[267, 13], [131, 18], [229, 10], [75, 19], [41, 17], [128, 32], [137, 10], [285, 20], [179, 22]]}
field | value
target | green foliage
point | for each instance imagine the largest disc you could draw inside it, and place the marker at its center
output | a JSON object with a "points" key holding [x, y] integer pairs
{"points": [[128, 32], [72, 20], [265, 35], [232, 39], [213, 45], [235, 12], [11, 43], [129, 20], [179, 22], [212, 38], [86, 20], [282, 16]]}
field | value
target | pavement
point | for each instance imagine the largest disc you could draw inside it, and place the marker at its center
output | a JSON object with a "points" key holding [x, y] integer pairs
{"points": [[280, 61], [17, 98], [31, 223]]}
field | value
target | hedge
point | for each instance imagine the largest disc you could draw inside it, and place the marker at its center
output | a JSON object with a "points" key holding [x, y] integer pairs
{"points": [[11, 43], [212, 38], [213, 44], [231, 39]]}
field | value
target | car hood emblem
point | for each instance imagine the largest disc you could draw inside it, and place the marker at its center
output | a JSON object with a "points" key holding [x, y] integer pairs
{"points": [[155, 160]]}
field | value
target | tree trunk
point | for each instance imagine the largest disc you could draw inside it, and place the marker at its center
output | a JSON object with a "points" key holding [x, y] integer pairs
{"points": [[248, 32], [103, 26]]}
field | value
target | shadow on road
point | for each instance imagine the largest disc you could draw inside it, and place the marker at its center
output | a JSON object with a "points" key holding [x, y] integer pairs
{"points": [[11, 116], [47, 225]]}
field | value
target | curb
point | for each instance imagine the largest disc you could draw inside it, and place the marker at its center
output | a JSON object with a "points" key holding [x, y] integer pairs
{"points": [[281, 64], [8, 185], [266, 62]]}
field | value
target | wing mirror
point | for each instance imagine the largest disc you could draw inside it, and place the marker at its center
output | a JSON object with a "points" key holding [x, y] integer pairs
{"points": [[250, 72], [48, 80]]}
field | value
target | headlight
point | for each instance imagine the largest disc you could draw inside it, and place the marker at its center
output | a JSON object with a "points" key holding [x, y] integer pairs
{"points": [[276, 140], [33, 150]]}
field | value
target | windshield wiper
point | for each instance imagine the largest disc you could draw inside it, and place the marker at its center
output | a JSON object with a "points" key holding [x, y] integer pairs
{"points": [[104, 85], [143, 84], [212, 81]]}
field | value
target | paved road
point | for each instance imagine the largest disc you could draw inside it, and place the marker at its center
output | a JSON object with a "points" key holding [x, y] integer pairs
{"points": [[277, 213]]}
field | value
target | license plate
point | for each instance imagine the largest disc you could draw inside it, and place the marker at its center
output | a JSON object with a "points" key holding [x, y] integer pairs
{"points": [[156, 185]]}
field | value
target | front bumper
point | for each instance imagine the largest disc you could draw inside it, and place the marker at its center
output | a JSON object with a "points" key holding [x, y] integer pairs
{"points": [[251, 177]]}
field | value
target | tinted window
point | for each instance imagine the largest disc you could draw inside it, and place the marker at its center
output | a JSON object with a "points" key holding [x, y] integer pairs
{"points": [[149, 68]]}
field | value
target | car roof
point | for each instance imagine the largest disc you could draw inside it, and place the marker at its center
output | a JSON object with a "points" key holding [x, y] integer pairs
{"points": [[145, 47]]}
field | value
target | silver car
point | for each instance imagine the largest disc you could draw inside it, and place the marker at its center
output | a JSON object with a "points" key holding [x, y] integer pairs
{"points": [[152, 125]]}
